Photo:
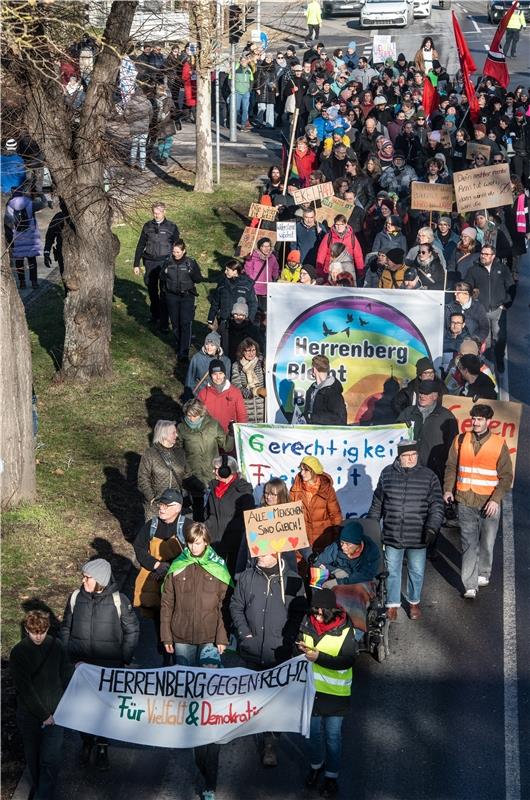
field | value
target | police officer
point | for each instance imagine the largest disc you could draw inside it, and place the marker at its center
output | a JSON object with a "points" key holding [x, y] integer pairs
{"points": [[178, 277], [154, 248]]}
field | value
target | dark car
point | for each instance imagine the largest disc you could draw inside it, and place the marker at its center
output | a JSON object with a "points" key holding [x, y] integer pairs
{"points": [[498, 8], [351, 7]]}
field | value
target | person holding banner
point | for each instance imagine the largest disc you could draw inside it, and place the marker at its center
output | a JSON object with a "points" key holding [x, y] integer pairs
{"points": [[324, 403], [478, 474], [327, 638], [41, 670], [267, 608], [193, 593]]}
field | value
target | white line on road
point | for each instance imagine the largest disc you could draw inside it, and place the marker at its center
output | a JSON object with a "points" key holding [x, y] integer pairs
{"points": [[512, 765], [474, 24]]}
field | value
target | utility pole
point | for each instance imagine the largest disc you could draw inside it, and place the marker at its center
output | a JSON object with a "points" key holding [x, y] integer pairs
{"points": [[258, 16], [233, 111], [219, 50]]}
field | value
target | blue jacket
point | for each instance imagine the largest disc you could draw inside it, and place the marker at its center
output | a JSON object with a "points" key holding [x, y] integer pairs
{"points": [[21, 227], [12, 171], [361, 569], [197, 376], [307, 242]]}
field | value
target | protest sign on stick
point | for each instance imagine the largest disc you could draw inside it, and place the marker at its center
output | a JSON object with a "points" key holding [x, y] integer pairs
{"points": [[331, 206], [286, 231], [248, 240], [477, 147], [431, 196], [317, 192], [483, 187], [276, 529], [382, 48], [506, 419], [260, 211]]}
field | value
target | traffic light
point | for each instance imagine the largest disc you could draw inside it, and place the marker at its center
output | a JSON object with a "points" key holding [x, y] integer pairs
{"points": [[235, 24]]}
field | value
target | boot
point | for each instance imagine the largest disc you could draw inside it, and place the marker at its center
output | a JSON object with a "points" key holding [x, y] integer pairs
{"points": [[86, 752], [330, 787], [269, 757], [102, 758]]}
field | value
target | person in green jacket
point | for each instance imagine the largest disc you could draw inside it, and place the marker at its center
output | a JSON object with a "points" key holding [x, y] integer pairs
{"points": [[41, 670], [202, 439], [243, 84]]}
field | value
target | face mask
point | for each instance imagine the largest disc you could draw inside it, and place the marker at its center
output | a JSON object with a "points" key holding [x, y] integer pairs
{"points": [[193, 425]]}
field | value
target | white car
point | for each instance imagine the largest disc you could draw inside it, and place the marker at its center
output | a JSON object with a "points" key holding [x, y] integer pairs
{"points": [[422, 9], [394, 13]]}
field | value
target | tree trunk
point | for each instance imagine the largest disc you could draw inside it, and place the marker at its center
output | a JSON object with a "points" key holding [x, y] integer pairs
{"points": [[204, 24], [17, 466]]}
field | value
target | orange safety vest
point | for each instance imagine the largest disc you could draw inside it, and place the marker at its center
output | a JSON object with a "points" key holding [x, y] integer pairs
{"points": [[477, 472]]}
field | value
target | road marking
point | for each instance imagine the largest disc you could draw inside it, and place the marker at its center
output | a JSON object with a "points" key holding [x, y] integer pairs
{"points": [[474, 24], [512, 770]]}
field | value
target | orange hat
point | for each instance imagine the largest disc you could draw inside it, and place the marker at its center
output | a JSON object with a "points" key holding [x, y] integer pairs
{"points": [[266, 200], [294, 255]]}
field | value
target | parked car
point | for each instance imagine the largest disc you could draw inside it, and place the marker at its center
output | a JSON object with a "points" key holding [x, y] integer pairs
{"points": [[498, 8], [350, 7], [394, 13], [422, 9]]}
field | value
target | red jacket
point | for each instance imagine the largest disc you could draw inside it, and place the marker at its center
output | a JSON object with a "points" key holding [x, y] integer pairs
{"points": [[226, 406], [303, 166], [352, 246]]}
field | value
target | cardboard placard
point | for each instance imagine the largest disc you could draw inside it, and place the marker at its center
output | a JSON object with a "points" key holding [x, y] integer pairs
{"points": [[383, 47], [483, 187], [317, 192], [431, 196], [331, 206], [248, 240], [506, 420], [276, 529], [286, 231], [476, 147], [259, 211]]}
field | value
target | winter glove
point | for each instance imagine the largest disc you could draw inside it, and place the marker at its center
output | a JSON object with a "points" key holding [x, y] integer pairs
{"points": [[430, 536], [340, 573], [329, 584], [47, 260], [262, 392], [161, 571]]}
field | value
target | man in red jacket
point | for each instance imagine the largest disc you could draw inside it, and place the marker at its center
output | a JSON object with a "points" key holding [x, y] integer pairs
{"points": [[222, 400]]}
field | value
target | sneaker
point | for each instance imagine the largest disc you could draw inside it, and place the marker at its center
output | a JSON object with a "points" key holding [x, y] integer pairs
{"points": [[86, 752], [102, 758], [470, 594], [248, 126], [330, 787], [313, 776], [269, 758], [163, 162], [483, 581], [208, 794]]}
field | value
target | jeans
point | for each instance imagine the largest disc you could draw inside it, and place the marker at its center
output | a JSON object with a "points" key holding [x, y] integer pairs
{"points": [[242, 104], [512, 37], [325, 744], [181, 311], [138, 146], [416, 559], [477, 534], [42, 750], [266, 113], [187, 655], [164, 147]]}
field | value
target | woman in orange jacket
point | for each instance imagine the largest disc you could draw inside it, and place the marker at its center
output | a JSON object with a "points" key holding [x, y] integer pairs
{"points": [[322, 513]]}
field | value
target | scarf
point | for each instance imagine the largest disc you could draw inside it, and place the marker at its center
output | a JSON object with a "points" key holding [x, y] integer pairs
{"points": [[222, 487], [209, 561], [324, 627], [520, 214], [249, 368]]}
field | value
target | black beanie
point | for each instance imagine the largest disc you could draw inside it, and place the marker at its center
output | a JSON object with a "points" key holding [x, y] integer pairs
{"points": [[396, 255], [323, 598], [216, 365], [423, 364]]}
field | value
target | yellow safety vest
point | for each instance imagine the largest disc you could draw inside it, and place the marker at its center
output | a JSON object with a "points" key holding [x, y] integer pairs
{"points": [[330, 681], [517, 21]]}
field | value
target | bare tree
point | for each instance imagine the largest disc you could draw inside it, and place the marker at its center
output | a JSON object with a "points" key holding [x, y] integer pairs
{"points": [[75, 149], [17, 468], [202, 14]]}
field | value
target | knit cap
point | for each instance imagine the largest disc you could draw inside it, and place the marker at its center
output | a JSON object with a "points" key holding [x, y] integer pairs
{"points": [[209, 656], [352, 532], [423, 364], [213, 338], [216, 365], [240, 307], [313, 463], [99, 569], [471, 232], [294, 255]]}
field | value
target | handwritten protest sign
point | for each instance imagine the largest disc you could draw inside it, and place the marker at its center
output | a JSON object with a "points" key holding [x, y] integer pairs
{"points": [[483, 187], [331, 206], [431, 196], [383, 48], [249, 239], [187, 706], [317, 192], [372, 337], [353, 457], [276, 529], [259, 211], [477, 147], [286, 231], [506, 419]]}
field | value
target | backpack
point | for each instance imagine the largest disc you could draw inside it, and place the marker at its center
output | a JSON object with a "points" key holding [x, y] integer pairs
{"points": [[179, 534], [115, 596]]}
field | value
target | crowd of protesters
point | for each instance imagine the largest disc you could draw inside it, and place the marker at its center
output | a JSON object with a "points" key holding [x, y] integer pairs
{"points": [[361, 126]]}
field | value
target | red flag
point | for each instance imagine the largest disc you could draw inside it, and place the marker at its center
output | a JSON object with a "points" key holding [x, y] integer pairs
{"points": [[467, 65], [464, 54], [495, 65], [431, 99]]}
